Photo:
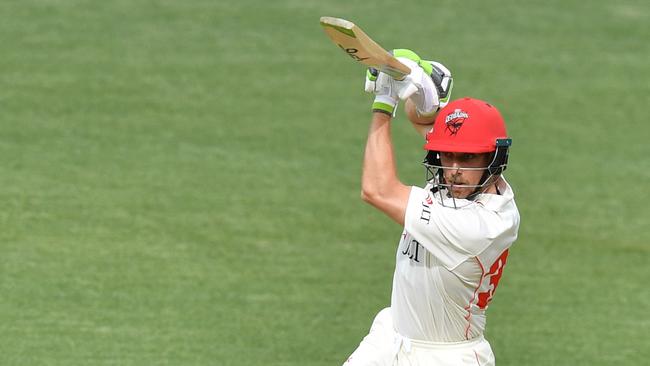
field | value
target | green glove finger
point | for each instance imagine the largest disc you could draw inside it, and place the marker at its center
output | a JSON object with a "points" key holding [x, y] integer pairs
{"points": [[406, 53]]}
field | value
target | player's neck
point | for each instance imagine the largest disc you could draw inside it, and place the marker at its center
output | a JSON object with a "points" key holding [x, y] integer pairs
{"points": [[494, 188]]}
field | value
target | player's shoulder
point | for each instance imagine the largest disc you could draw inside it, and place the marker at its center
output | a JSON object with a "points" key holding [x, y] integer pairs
{"points": [[427, 199]]}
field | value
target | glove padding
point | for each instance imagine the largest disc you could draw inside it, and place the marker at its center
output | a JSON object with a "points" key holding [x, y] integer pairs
{"points": [[442, 80], [382, 86], [417, 85]]}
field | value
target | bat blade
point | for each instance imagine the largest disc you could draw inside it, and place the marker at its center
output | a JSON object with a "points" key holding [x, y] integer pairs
{"points": [[356, 44]]}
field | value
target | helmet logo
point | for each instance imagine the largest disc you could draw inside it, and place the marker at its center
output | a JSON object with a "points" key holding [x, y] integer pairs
{"points": [[455, 120]]}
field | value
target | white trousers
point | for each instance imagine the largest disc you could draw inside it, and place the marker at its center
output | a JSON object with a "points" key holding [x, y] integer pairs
{"points": [[385, 347]]}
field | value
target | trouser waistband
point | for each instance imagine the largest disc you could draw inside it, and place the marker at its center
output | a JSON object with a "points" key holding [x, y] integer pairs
{"points": [[447, 345], [407, 343]]}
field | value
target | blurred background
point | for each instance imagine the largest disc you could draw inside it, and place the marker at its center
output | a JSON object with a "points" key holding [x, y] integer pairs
{"points": [[180, 179]]}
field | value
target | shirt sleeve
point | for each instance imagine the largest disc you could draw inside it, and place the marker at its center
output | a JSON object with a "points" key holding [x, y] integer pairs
{"points": [[455, 235]]}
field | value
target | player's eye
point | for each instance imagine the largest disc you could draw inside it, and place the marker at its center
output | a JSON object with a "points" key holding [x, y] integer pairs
{"points": [[449, 156]]}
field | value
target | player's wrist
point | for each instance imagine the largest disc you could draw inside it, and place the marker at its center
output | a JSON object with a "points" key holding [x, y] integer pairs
{"points": [[382, 117]]}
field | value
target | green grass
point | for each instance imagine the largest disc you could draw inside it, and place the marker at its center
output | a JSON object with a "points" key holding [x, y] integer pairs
{"points": [[180, 180]]}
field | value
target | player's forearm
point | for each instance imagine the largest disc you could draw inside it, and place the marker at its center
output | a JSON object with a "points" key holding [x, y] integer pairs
{"points": [[421, 124], [380, 185], [379, 170]]}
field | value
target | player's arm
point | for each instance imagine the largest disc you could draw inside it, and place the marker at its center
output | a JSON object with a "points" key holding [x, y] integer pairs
{"points": [[380, 185], [441, 77], [422, 124]]}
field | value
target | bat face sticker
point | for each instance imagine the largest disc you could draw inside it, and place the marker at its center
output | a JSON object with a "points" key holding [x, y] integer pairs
{"points": [[455, 120]]}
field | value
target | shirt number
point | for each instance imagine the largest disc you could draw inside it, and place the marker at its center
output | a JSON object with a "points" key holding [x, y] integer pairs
{"points": [[496, 270]]}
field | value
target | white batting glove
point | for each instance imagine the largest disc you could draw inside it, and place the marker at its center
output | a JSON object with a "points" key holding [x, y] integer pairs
{"points": [[443, 81], [381, 85], [419, 87], [389, 91], [428, 85]]}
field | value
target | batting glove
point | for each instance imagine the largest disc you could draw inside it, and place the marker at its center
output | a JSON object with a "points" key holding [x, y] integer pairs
{"points": [[443, 81], [428, 85]]}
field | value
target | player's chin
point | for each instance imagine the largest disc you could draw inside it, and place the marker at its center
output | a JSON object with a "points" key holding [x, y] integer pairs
{"points": [[460, 193]]}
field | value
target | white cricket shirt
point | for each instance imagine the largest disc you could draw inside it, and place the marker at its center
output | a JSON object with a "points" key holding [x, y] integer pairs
{"points": [[449, 262]]}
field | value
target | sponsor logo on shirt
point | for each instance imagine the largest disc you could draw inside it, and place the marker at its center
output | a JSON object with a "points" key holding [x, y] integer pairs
{"points": [[412, 250], [429, 200], [425, 215]]}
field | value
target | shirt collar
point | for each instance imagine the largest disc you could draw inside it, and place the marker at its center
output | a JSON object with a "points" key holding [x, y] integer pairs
{"points": [[495, 202]]}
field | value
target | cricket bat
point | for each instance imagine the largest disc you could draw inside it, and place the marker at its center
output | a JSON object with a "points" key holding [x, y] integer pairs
{"points": [[356, 44]]}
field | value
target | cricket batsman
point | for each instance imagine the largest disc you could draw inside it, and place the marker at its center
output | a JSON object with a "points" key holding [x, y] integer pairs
{"points": [[457, 229]]}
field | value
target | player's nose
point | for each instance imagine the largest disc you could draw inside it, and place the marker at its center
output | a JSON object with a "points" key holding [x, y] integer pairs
{"points": [[455, 167]]}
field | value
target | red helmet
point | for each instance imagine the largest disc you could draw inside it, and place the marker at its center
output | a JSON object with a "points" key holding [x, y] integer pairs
{"points": [[467, 125]]}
